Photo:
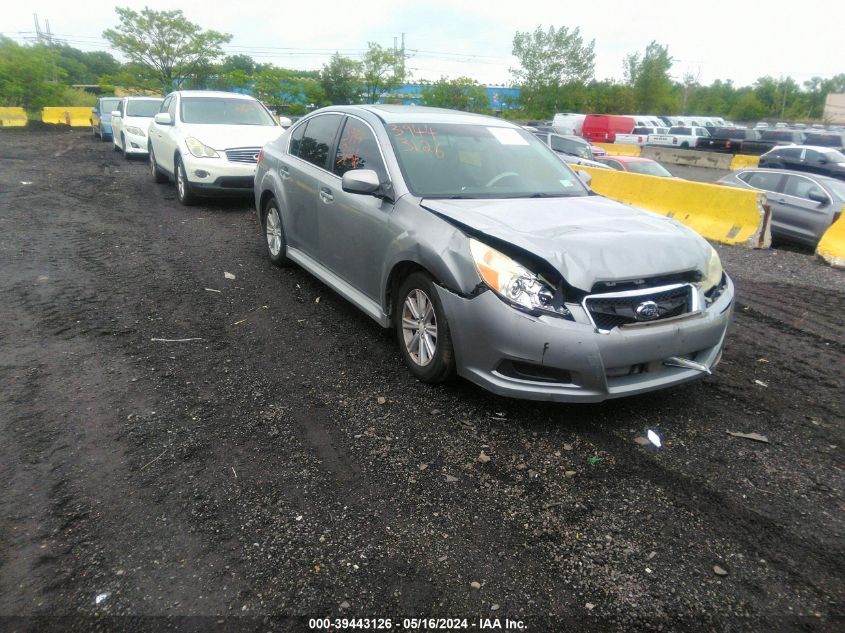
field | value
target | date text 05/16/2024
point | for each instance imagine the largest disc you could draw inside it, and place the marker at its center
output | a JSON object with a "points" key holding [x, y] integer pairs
{"points": [[415, 624]]}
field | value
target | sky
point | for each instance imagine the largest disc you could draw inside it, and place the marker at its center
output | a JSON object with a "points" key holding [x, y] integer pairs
{"points": [[474, 37]]}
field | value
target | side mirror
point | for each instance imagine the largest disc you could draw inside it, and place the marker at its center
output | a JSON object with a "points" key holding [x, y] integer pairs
{"points": [[363, 181], [822, 161], [163, 118], [115, 113], [818, 196], [585, 177], [285, 122]]}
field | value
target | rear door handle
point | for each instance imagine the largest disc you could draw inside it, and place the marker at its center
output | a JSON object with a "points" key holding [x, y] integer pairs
{"points": [[326, 195], [284, 172]]}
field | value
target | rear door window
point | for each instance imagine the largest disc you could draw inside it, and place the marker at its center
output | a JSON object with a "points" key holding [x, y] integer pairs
{"points": [[318, 139], [295, 139], [764, 180]]}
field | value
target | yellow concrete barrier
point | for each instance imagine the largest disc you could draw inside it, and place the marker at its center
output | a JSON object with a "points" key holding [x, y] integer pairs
{"points": [[831, 247], [621, 149], [73, 116], [743, 161], [12, 117], [725, 214]]}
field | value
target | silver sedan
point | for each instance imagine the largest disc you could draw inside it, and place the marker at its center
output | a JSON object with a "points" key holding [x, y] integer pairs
{"points": [[803, 205], [489, 257]]}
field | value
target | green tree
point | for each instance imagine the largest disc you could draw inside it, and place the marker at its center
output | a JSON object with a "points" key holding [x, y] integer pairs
{"points": [[170, 47], [748, 107], [649, 78], [383, 70], [29, 75], [292, 91], [462, 93], [548, 60], [341, 80], [82, 67]]}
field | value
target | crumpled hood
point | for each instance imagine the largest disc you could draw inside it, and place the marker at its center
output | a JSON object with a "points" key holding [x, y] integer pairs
{"points": [[222, 137], [587, 239]]}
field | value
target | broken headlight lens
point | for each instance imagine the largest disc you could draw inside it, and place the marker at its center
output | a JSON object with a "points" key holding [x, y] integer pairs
{"points": [[200, 149], [714, 272], [513, 281]]}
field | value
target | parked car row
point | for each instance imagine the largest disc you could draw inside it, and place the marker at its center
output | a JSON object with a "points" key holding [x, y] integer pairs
{"points": [[488, 256]]}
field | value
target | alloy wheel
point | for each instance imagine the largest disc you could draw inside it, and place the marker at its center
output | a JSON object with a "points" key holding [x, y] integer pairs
{"points": [[419, 327]]}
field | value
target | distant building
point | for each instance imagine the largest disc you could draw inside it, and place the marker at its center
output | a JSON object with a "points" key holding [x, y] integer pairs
{"points": [[834, 108], [501, 97]]}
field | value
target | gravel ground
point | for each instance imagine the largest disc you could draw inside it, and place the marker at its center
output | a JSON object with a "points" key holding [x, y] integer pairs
{"points": [[286, 466]]}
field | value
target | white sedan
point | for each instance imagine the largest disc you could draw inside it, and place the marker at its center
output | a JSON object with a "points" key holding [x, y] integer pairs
{"points": [[131, 122]]}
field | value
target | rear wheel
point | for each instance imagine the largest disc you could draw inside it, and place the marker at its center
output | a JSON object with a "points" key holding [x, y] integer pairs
{"points": [[274, 234], [684, 145], [155, 173], [423, 331], [183, 186]]}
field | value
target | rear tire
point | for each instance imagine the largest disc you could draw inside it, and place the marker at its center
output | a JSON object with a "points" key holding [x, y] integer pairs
{"points": [[423, 331], [183, 185], [274, 234], [684, 145], [155, 173]]}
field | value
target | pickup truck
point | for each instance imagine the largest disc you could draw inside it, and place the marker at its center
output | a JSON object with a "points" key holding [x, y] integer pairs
{"points": [[769, 139], [680, 136], [727, 139], [639, 136]]}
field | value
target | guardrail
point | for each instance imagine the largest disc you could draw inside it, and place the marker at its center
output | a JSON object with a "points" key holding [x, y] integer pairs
{"points": [[724, 214], [831, 247]]}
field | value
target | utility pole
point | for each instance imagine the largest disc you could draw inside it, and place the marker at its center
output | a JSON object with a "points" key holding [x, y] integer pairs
{"points": [[38, 35]]}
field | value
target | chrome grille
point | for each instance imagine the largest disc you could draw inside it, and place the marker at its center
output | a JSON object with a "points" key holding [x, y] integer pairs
{"points": [[243, 154], [615, 309]]}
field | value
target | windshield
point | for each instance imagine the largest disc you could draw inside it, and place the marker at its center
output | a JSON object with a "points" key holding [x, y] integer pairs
{"points": [[442, 160], [834, 157], [568, 146], [727, 132], [109, 105], [146, 108], [838, 188], [648, 168], [221, 111], [684, 131], [830, 140]]}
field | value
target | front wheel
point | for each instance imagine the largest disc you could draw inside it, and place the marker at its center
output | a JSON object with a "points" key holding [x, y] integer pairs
{"points": [[274, 234], [183, 186], [423, 331]]}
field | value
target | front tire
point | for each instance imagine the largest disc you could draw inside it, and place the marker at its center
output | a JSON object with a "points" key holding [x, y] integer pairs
{"points": [[155, 173], [423, 330], [183, 185], [103, 135], [123, 143], [274, 234]]}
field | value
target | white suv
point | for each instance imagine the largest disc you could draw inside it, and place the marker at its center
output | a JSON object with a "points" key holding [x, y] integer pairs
{"points": [[130, 123], [208, 142]]}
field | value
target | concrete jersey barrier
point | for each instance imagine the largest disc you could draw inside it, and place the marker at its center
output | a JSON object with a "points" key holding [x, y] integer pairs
{"points": [[831, 247], [744, 161], [724, 214], [12, 117], [688, 157], [620, 149], [73, 116]]}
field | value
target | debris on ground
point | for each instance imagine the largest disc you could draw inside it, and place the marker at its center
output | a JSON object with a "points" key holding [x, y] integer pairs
{"points": [[761, 383], [228, 275], [589, 606], [213, 290], [176, 340], [719, 571], [101, 597], [483, 457], [749, 436], [450, 479], [642, 441], [654, 438], [475, 584], [381, 400]]}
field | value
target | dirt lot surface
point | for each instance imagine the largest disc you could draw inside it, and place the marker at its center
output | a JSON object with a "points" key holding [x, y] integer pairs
{"points": [[286, 465]]}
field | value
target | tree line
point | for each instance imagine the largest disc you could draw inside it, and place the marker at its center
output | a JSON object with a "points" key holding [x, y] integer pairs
{"points": [[555, 73]]}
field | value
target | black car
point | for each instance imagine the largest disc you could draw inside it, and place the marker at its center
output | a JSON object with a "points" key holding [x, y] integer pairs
{"points": [[727, 139], [809, 158]]}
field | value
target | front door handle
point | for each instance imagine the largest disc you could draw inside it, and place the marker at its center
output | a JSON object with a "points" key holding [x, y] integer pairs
{"points": [[326, 195]]}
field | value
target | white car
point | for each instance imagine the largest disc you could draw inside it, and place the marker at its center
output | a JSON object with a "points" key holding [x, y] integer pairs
{"points": [[131, 122], [681, 136], [208, 142]]}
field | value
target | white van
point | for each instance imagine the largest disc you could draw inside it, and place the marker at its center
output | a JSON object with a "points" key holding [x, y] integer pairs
{"points": [[571, 120]]}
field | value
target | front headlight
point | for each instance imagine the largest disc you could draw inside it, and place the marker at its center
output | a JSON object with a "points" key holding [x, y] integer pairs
{"points": [[199, 149], [512, 281], [131, 129], [714, 271]]}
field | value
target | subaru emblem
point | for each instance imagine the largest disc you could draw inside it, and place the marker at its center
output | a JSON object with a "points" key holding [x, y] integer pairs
{"points": [[647, 311]]}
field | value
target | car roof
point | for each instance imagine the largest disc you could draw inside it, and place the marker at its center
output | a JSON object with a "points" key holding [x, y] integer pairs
{"points": [[788, 172], [213, 94], [629, 159], [140, 98], [818, 148], [420, 114]]}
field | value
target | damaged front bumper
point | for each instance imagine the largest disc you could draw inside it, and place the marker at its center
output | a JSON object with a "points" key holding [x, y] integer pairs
{"points": [[515, 354]]}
